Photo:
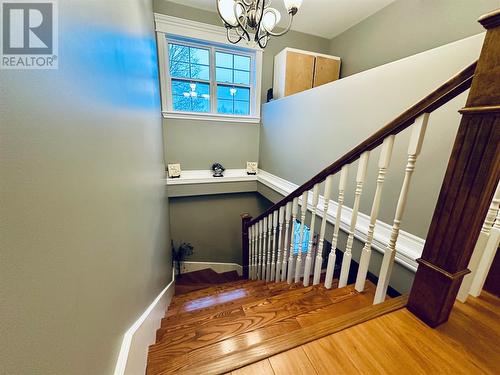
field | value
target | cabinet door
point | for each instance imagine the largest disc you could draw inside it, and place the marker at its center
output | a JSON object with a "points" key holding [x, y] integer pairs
{"points": [[299, 72], [326, 70]]}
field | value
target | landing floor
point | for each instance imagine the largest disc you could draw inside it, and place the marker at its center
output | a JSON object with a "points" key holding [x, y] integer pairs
{"points": [[399, 343]]}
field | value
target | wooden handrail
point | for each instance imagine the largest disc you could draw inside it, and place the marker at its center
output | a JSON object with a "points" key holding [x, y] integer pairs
{"points": [[440, 96]]}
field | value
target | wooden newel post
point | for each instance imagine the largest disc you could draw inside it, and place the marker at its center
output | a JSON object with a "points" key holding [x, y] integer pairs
{"points": [[245, 248], [468, 187]]}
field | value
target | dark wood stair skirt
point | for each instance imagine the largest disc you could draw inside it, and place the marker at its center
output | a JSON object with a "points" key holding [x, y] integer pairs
{"points": [[202, 279]]}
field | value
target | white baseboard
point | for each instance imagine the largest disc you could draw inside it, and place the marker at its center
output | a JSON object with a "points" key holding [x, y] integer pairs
{"points": [[136, 341], [217, 267]]}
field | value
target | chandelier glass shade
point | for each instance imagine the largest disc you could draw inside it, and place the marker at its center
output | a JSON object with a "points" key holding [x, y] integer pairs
{"points": [[254, 20]]}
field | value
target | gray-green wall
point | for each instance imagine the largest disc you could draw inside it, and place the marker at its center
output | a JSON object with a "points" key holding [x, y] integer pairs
{"points": [[197, 144], [84, 238], [212, 224], [407, 27]]}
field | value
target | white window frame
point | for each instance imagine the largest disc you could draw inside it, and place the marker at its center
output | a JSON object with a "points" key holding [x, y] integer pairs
{"points": [[213, 38]]}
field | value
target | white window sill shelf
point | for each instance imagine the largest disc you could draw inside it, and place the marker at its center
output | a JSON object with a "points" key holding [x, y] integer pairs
{"points": [[206, 177], [210, 117]]}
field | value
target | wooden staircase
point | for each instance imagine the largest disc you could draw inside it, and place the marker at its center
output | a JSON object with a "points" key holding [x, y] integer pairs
{"points": [[216, 326], [248, 320]]}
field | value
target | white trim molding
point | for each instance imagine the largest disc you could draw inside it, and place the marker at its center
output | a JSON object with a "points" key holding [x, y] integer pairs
{"points": [[217, 267], [206, 177], [192, 29], [133, 354], [408, 248], [210, 117]]}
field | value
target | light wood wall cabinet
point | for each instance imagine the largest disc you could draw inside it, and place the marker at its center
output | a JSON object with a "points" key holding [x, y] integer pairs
{"points": [[296, 70]]}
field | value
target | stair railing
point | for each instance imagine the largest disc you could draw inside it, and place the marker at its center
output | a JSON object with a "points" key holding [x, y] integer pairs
{"points": [[475, 152]]}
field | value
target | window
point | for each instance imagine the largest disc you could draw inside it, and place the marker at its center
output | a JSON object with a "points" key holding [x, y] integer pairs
{"points": [[233, 83], [296, 238], [209, 80]]}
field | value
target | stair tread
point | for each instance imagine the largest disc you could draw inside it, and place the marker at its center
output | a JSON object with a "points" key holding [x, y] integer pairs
{"points": [[257, 315], [295, 315], [228, 355], [213, 312], [256, 308], [219, 298], [212, 289], [217, 301]]}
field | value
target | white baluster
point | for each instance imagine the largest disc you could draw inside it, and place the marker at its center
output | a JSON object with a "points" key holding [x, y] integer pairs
{"points": [[331, 257], [360, 179], [321, 240], [259, 250], [281, 218], [254, 253], [479, 253], [308, 264], [383, 164], [264, 250], [488, 256], [273, 251], [269, 246], [295, 210], [250, 244], [288, 212], [414, 148], [303, 211]]}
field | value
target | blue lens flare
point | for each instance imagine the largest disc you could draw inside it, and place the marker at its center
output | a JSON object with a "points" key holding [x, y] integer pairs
{"points": [[111, 67]]}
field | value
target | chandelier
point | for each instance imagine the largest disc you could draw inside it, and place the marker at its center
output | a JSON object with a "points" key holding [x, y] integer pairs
{"points": [[254, 20]]}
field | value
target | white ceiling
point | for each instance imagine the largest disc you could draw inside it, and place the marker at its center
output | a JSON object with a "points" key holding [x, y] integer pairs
{"points": [[325, 18]]}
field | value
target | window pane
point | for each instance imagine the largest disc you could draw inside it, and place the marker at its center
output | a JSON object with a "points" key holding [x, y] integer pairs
{"points": [[179, 69], [223, 92], [242, 94], [224, 75], [200, 71], [225, 106], [305, 240], [190, 96], [180, 87], [223, 60], [199, 56], [177, 52], [201, 104], [203, 89], [241, 108], [181, 103], [242, 62], [241, 77]]}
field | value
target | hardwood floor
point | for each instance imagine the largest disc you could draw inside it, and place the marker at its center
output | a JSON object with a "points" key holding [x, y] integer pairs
{"points": [[224, 326], [399, 343]]}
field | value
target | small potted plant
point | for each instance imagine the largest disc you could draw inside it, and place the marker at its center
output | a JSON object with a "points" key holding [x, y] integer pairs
{"points": [[180, 253]]}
